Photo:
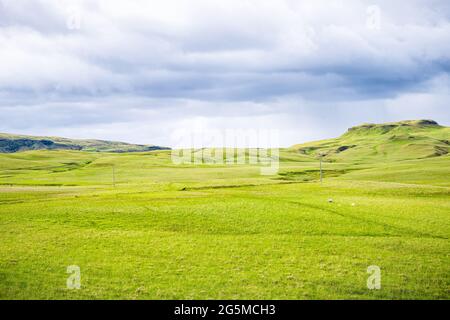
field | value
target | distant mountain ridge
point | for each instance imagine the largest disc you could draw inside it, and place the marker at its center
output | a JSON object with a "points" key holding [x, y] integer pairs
{"points": [[10, 143], [403, 140]]}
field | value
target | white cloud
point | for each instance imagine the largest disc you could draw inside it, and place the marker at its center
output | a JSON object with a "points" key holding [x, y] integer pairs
{"points": [[135, 70]]}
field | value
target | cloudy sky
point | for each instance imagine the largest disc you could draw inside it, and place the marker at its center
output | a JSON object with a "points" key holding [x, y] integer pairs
{"points": [[137, 71]]}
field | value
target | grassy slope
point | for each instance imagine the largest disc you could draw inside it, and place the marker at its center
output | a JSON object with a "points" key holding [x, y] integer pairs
{"points": [[401, 152], [383, 143], [215, 231]]}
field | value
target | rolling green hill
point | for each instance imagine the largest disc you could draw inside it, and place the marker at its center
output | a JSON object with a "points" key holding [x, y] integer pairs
{"points": [[372, 143], [13, 143]]}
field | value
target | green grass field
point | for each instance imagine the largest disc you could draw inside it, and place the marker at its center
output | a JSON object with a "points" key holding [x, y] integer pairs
{"points": [[166, 231]]}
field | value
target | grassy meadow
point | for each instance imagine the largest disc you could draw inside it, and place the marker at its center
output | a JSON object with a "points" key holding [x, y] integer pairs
{"points": [[214, 231]]}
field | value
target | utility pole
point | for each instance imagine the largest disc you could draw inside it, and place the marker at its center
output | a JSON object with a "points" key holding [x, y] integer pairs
{"points": [[114, 176], [321, 171]]}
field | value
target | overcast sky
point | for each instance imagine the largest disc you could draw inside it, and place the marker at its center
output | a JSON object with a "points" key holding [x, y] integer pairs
{"points": [[137, 71]]}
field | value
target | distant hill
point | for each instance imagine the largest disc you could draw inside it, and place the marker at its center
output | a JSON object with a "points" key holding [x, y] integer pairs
{"points": [[404, 140], [10, 143]]}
